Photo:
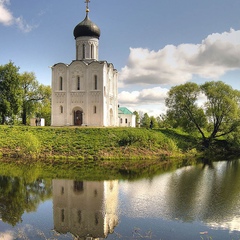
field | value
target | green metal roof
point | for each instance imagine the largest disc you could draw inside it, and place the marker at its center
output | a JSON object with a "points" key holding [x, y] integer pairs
{"points": [[124, 110]]}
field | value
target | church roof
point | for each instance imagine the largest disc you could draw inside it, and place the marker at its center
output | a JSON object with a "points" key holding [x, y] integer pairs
{"points": [[86, 28], [124, 110]]}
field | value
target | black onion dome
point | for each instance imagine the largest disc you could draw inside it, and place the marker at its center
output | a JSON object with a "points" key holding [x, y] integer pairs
{"points": [[86, 28]]}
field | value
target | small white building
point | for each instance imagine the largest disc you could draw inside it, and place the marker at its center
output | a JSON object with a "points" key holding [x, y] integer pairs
{"points": [[85, 92], [37, 122], [126, 117]]}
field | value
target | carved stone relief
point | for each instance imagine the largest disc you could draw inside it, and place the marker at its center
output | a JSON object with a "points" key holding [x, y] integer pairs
{"points": [[60, 97], [77, 97], [95, 97]]}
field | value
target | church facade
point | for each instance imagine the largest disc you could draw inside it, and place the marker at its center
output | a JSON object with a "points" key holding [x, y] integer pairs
{"points": [[85, 92]]}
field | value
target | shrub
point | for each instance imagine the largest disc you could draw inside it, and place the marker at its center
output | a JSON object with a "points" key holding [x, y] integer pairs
{"points": [[131, 137], [28, 144]]}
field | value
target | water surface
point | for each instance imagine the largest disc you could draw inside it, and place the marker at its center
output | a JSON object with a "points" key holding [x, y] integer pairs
{"points": [[194, 202]]}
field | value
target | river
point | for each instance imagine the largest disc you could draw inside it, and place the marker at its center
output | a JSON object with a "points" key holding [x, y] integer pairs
{"points": [[194, 202]]}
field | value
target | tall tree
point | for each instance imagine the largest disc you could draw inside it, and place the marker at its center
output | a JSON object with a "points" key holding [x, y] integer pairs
{"points": [[219, 115], [43, 109], [9, 91], [163, 121], [145, 121], [154, 122], [137, 121], [222, 108], [32, 94]]}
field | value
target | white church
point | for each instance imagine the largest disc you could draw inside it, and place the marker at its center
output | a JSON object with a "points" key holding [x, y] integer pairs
{"points": [[85, 92]]}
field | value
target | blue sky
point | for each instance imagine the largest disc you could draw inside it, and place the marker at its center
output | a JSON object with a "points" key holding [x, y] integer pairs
{"points": [[153, 44]]}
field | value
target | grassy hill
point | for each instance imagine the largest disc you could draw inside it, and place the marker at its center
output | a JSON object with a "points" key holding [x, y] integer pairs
{"points": [[93, 143]]}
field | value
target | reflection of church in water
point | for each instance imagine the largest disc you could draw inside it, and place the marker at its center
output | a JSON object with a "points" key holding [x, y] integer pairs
{"points": [[88, 210]]}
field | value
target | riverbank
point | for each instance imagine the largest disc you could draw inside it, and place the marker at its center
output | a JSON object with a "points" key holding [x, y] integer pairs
{"points": [[83, 143]]}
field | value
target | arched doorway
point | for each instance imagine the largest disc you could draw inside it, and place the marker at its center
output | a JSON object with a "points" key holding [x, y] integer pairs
{"points": [[78, 119]]}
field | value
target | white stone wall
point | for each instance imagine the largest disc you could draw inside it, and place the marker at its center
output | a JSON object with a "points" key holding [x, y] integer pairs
{"points": [[127, 120], [87, 48], [78, 92], [59, 99]]}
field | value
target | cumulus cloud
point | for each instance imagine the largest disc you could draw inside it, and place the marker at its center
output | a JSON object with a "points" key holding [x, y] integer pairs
{"points": [[214, 56], [145, 96], [7, 236], [7, 18], [151, 100]]}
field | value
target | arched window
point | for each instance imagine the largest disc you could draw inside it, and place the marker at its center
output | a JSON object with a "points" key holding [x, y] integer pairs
{"points": [[94, 109], [60, 83], [96, 218], [78, 83], [84, 51], [61, 109], [78, 186], [95, 82], [62, 215], [92, 51]]}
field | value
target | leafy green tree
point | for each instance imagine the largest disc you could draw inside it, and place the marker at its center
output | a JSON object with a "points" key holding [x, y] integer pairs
{"points": [[33, 93], [145, 121], [222, 108], [219, 115], [9, 92], [154, 122], [163, 121], [44, 106], [137, 118]]}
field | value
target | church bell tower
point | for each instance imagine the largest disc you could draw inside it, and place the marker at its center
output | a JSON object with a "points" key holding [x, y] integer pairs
{"points": [[87, 35]]}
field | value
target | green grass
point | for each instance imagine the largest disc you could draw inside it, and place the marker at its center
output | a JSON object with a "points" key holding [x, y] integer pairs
{"points": [[92, 143]]}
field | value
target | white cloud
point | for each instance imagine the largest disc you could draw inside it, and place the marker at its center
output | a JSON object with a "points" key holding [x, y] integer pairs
{"points": [[7, 18], [23, 26], [6, 236], [210, 59], [145, 96], [151, 100]]}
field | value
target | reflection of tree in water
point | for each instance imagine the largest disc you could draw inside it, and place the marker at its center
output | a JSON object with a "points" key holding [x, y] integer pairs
{"points": [[17, 196], [183, 193], [209, 194], [223, 202], [11, 200]]}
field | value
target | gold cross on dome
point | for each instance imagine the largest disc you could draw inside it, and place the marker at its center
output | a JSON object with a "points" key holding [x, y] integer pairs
{"points": [[87, 2]]}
